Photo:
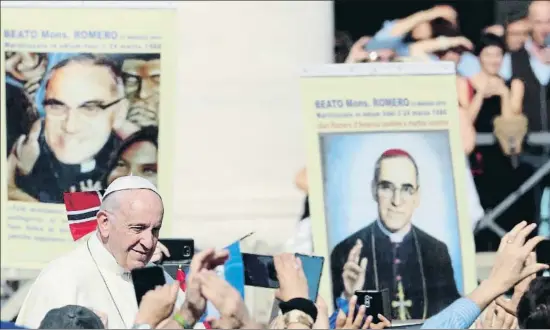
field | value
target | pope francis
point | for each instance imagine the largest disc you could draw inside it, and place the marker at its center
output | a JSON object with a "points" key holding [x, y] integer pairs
{"points": [[97, 273]]}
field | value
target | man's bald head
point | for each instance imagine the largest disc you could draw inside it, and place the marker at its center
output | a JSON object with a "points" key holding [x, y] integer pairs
{"points": [[539, 18]]}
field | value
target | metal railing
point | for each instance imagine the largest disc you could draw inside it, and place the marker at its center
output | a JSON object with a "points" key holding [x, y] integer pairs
{"points": [[534, 139]]}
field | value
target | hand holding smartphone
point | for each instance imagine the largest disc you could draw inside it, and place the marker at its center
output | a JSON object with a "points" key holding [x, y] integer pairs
{"points": [[260, 272]]}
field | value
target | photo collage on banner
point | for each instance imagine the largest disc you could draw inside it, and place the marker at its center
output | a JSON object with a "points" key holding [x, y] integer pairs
{"points": [[387, 179], [81, 108]]}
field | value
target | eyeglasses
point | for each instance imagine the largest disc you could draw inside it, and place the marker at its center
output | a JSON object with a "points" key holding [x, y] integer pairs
{"points": [[90, 109], [387, 189]]}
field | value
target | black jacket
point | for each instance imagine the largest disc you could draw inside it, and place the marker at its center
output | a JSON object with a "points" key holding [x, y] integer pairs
{"points": [[438, 271]]}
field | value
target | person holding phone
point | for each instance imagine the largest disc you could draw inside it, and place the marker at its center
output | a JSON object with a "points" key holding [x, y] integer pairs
{"points": [[96, 274]]}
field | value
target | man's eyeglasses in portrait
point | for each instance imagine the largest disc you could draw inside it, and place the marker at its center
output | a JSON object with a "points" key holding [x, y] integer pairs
{"points": [[90, 108], [387, 189]]}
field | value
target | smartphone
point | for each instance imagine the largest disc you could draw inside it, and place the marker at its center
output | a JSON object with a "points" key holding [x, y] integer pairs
{"points": [[146, 279], [376, 302], [543, 255], [313, 269], [547, 40], [259, 271], [180, 249]]}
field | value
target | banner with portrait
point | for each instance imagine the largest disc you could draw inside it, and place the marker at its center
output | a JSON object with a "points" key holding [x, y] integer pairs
{"points": [[88, 95], [387, 184]]}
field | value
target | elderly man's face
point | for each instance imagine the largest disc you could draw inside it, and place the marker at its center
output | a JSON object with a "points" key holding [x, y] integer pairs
{"points": [[131, 230], [139, 159], [396, 192], [81, 105], [142, 83], [539, 18]]}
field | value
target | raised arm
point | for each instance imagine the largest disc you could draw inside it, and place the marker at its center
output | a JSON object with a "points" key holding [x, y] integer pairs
{"points": [[425, 47], [407, 24], [517, 91]]}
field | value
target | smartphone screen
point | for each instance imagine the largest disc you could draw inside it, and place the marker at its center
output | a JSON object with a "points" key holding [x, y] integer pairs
{"points": [[259, 271], [146, 279], [313, 268], [180, 249]]}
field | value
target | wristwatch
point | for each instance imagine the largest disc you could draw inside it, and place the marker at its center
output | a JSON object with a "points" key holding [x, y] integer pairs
{"points": [[141, 326], [296, 316]]}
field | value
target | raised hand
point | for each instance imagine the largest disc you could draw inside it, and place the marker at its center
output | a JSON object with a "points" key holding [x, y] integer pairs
{"points": [[511, 305], [357, 52], [496, 318], [27, 150], [228, 302], [354, 271], [195, 303], [157, 305], [322, 321], [509, 267], [160, 250], [292, 280]]}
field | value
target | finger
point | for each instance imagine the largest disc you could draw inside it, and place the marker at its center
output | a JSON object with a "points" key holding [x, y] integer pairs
{"points": [[218, 258], [359, 317], [367, 323], [340, 319], [490, 314], [351, 276], [498, 320], [163, 249], [198, 260], [522, 235], [278, 264], [355, 252], [213, 288], [363, 41], [353, 268], [384, 320], [174, 289], [363, 264], [533, 269], [508, 321], [515, 324], [510, 236], [532, 244], [507, 305], [351, 309]]}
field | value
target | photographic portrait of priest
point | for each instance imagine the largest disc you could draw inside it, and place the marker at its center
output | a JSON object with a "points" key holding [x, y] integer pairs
{"points": [[390, 251]]}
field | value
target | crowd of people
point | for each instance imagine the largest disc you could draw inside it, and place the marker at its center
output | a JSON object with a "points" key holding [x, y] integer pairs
{"points": [[502, 89], [91, 287]]}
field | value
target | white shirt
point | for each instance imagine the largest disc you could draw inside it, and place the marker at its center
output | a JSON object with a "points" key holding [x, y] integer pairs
{"points": [[74, 279]]}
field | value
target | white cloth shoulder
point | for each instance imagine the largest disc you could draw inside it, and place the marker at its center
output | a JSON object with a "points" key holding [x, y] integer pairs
{"points": [[302, 240]]}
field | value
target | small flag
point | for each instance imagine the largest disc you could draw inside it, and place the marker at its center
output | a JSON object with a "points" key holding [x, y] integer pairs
{"points": [[180, 277], [82, 208]]}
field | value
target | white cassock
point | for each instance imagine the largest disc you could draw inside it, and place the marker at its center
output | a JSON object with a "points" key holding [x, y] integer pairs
{"points": [[88, 276]]}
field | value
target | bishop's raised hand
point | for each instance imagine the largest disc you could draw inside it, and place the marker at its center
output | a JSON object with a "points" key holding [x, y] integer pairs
{"points": [[354, 271]]}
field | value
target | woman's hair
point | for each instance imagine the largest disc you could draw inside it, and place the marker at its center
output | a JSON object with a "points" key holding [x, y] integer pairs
{"points": [[489, 39], [147, 134], [534, 307], [444, 28], [342, 46]]}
